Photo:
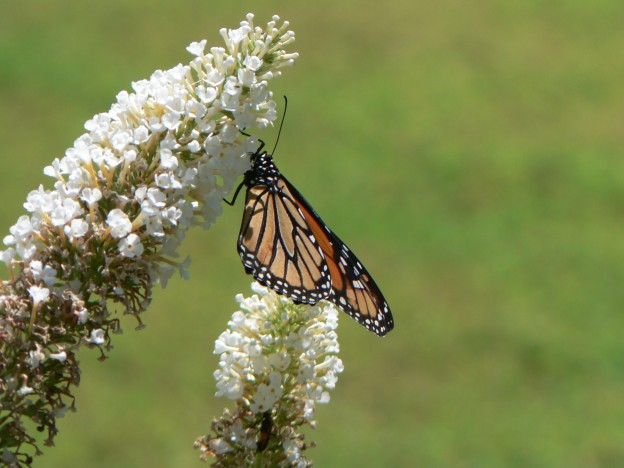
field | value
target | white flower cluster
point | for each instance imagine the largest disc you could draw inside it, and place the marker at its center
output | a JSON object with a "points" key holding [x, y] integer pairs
{"points": [[274, 349], [280, 358], [159, 161], [163, 152]]}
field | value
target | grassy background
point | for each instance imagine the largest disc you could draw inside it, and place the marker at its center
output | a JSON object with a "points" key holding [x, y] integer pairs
{"points": [[469, 152]]}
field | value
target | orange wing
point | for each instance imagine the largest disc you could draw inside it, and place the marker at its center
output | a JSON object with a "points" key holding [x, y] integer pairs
{"points": [[277, 246], [352, 287]]}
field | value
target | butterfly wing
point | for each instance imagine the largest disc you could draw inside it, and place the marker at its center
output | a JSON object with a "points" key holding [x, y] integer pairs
{"points": [[352, 287], [277, 246]]}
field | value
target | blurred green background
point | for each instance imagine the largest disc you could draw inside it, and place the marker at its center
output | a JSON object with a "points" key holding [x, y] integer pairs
{"points": [[469, 152]]}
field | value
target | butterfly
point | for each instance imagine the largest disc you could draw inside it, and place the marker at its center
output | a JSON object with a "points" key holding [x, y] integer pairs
{"points": [[287, 247]]}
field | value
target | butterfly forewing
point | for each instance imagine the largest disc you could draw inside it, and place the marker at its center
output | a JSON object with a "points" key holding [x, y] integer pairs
{"points": [[360, 297], [353, 289], [277, 247]]}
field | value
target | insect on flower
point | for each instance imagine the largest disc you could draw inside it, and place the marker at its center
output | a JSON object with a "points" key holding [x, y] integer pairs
{"points": [[265, 431], [287, 247]]}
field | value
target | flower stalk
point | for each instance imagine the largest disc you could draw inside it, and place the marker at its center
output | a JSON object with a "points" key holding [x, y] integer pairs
{"points": [[158, 162]]}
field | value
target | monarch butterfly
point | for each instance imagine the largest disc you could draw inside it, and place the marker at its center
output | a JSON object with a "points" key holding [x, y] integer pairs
{"points": [[287, 247]]}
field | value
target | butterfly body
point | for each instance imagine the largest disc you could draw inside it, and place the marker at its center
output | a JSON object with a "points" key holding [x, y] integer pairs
{"points": [[287, 247]]}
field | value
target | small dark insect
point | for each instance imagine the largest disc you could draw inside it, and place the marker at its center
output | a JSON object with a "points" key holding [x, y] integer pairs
{"points": [[287, 247], [265, 431]]}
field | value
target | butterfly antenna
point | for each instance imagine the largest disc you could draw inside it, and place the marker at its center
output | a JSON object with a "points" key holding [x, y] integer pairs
{"points": [[279, 132]]}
